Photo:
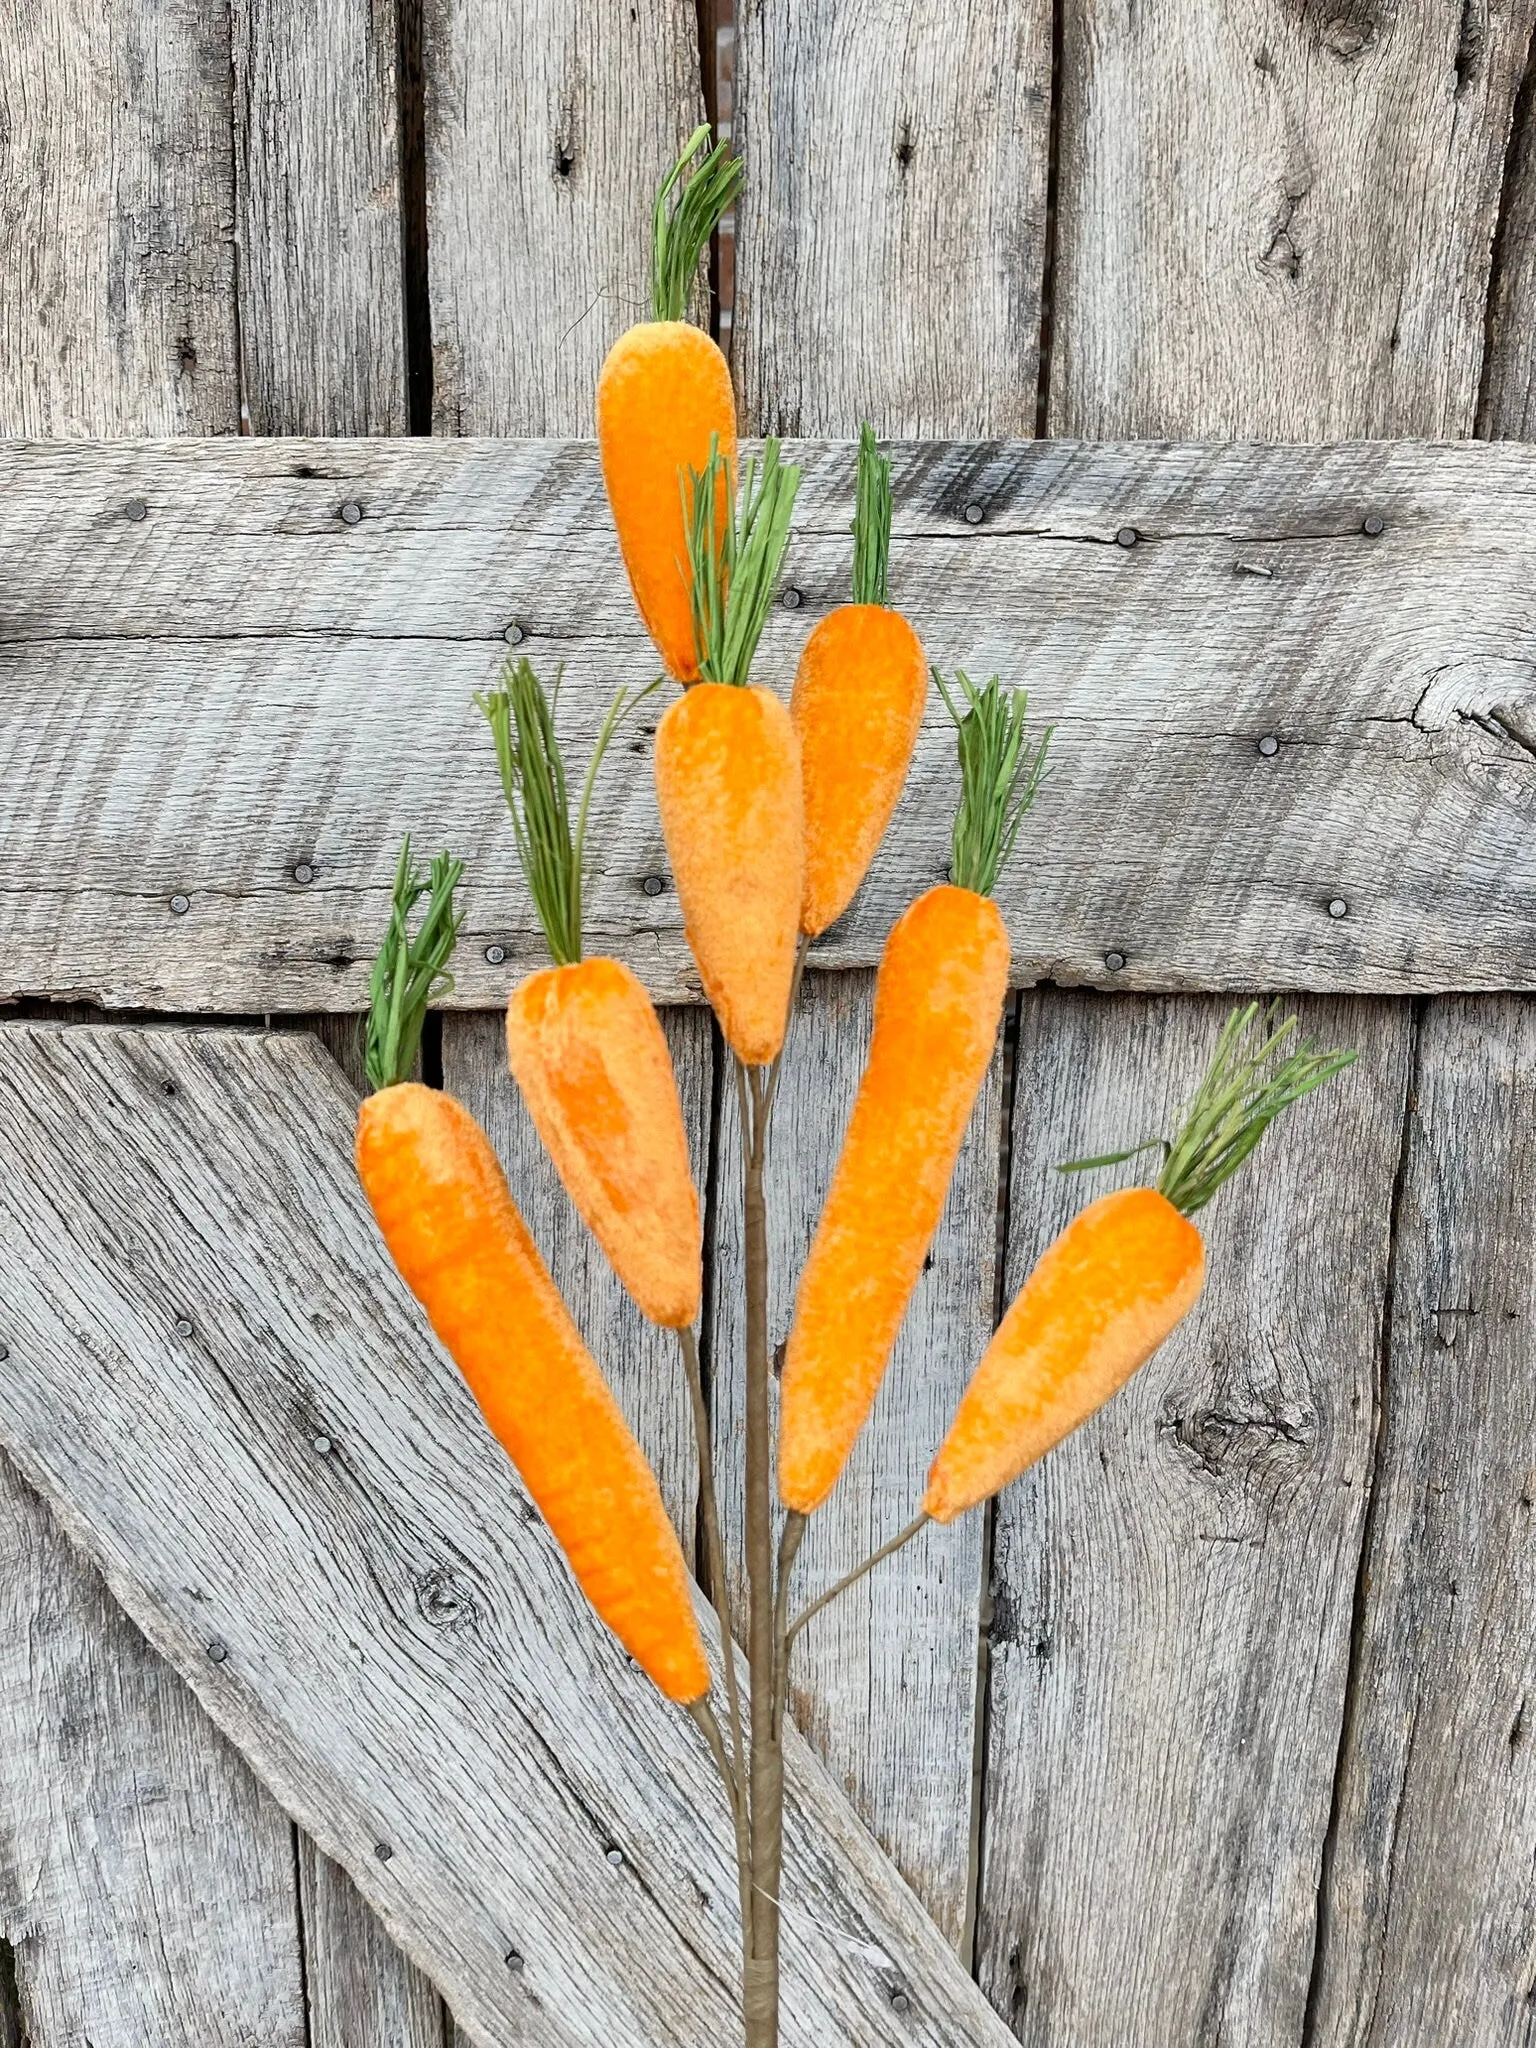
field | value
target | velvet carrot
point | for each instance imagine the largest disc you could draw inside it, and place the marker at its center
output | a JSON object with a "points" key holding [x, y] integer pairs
{"points": [[454, 1232], [664, 399], [938, 1003], [858, 707], [1120, 1277], [583, 1039], [728, 763]]}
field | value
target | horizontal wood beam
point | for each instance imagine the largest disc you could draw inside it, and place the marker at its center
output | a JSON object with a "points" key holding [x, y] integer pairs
{"points": [[1294, 692], [215, 1379]]}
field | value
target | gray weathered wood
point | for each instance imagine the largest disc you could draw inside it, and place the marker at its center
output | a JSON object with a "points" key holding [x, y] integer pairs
{"points": [[642, 1362], [1508, 405], [325, 672], [1429, 1892], [890, 233], [380, 1623], [118, 310], [146, 1881], [1173, 1585], [549, 127], [884, 1682], [318, 217], [363, 1993], [1277, 220]]}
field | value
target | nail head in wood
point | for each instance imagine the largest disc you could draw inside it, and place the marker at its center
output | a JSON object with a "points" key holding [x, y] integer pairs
{"points": [[303, 872], [180, 905], [136, 509], [383, 1851], [975, 512], [217, 1651], [1338, 907], [900, 2002], [183, 1326], [792, 598], [1114, 962], [5, 1352], [615, 1855], [514, 1959], [1127, 537], [322, 1447], [653, 885], [351, 512], [514, 633], [1374, 525], [1269, 745], [495, 954]]}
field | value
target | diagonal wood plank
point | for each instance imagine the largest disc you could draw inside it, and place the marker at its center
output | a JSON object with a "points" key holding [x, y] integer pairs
{"points": [[224, 1393], [241, 684]]}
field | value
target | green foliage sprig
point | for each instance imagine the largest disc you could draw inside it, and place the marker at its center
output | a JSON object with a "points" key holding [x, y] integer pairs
{"points": [[680, 234], [999, 777], [409, 972], [872, 523], [735, 560]]}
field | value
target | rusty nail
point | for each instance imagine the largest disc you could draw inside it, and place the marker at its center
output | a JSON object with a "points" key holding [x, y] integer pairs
{"points": [[495, 954], [135, 509], [513, 634], [303, 872], [1114, 962], [180, 905], [1374, 525], [792, 598], [217, 1651], [350, 513], [1269, 745], [975, 512], [653, 885], [1338, 907], [383, 1851], [1127, 537]]}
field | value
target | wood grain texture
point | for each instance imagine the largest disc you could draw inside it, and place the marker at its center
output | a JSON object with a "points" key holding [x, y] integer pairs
{"points": [[1277, 220], [363, 1993], [641, 1361], [311, 700], [884, 1682], [146, 1881], [891, 230], [379, 1620], [1507, 409], [318, 210], [116, 246], [1430, 1895], [1173, 1585], [549, 127]]}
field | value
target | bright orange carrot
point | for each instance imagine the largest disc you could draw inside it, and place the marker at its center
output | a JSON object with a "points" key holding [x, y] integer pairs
{"points": [[583, 1038], [1117, 1280], [728, 767], [453, 1230], [858, 707], [663, 400], [938, 1003]]}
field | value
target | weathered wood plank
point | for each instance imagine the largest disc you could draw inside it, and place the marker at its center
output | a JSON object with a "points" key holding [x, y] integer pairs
{"points": [[318, 217], [327, 670], [363, 1993], [402, 1654], [1173, 1585], [118, 314], [884, 1682], [146, 1881], [1429, 1892], [891, 230], [1277, 221], [1507, 408], [641, 1361], [549, 127]]}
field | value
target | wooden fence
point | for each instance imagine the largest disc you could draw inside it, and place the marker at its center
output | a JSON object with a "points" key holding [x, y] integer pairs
{"points": [[1217, 1731]]}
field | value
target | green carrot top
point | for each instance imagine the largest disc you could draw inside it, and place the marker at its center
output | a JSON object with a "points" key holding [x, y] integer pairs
{"points": [[1250, 1082], [409, 971], [680, 234], [552, 852], [1000, 777], [872, 523], [735, 560]]}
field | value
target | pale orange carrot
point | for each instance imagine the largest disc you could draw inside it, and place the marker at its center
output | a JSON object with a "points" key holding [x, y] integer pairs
{"points": [[664, 399], [1118, 1279], [728, 767], [583, 1038], [938, 1003], [858, 708], [445, 1212]]}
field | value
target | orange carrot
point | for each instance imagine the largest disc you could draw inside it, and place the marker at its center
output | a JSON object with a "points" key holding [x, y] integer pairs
{"points": [[453, 1230], [728, 767], [938, 1003], [1117, 1280], [583, 1038], [663, 398], [858, 707]]}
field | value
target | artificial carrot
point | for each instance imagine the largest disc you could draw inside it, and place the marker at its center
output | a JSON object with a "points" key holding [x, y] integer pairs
{"points": [[728, 764], [938, 1003], [1118, 1279], [583, 1038], [663, 399], [858, 707], [454, 1232]]}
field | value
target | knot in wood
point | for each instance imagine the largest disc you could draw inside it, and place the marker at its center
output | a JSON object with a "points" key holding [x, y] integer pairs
{"points": [[443, 1601], [1243, 1439]]}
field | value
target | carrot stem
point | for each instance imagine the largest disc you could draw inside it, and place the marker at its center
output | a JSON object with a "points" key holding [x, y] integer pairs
{"points": [[777, 1068], [714, 1545], [852, 1578], [766, 1772], [704, 1714]]}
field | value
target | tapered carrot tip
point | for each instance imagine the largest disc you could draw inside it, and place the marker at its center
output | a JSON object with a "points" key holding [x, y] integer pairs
{"points": [[1116, 1281], [732, 812], [858, 707], [663, 395], [590, 1057], [453, 1230]]}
